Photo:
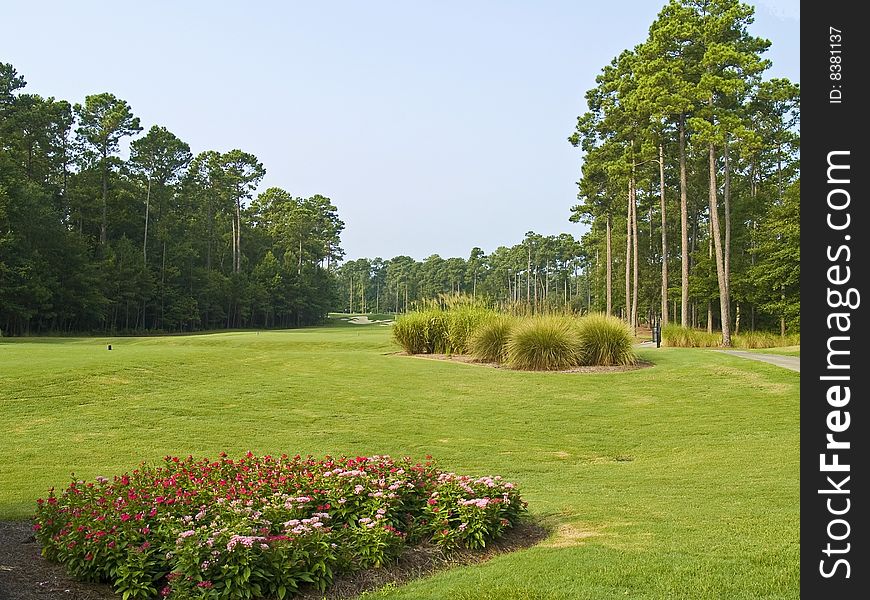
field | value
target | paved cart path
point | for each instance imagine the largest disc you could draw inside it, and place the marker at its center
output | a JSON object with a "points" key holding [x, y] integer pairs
{"points": [[786, 362]]}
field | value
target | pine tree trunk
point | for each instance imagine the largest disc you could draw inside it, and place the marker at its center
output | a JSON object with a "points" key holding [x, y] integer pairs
{"points": [[162, 285], [636, 268], [238, 265], [684, 228], [627, 313], [664, 315], [104, 222], [145, 242], [709, 316], [727, 200], [609, 283], [737, 321], [529, 277], [233, 220], [724, 308]]}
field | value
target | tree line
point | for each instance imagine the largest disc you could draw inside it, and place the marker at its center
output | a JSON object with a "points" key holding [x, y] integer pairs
{"points": [[159, 241], [690, 186], [691, 175], [541, 273]]}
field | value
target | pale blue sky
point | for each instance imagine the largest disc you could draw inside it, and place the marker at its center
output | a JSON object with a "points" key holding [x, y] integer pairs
{"points": [[433, 126]]}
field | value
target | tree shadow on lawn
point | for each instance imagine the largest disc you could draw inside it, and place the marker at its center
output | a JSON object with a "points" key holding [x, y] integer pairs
{"points": [[25, 575]]}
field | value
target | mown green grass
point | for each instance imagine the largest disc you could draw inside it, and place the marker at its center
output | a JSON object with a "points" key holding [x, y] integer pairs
{"points": [[676, 481], [784, 350]]}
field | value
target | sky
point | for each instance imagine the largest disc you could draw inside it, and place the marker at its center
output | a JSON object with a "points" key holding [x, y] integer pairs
{"points": [[434, 127]]}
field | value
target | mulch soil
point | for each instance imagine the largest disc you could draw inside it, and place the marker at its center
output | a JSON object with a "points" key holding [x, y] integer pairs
{"points": [[25, 575]]}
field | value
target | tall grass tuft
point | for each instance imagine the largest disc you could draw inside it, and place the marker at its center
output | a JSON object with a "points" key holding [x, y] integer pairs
{"points": [[437, 331], [461, 324], [544, 343], [489, 341], [686, 337], [410, 332], [422, 332], [605, 341], [764, 339]]}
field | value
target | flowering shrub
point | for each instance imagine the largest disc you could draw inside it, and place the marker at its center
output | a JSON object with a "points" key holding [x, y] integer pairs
{"points": [[262, 526]]}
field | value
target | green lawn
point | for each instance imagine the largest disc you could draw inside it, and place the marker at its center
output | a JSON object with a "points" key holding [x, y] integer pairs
{"points": [[677, 481]]}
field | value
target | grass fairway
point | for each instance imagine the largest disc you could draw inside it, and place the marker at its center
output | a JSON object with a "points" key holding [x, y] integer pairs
{"points": [[784, 350], [677, 481]]}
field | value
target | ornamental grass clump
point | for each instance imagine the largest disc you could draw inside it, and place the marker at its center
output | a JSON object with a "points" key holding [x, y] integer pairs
{"points": [[763, 339], [688, 337], [263, 527], [488, 343], [423, 332], [437, 331], [462, 322], [410, 332], [605, 341], [434, 330], [544, 343]]}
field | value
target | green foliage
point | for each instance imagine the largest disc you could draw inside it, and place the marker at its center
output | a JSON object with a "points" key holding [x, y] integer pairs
{"points": [[544, 343], [532, 342], [778, 253], [436, 330], [423, 332], [687, 337], [605, 341], [462, 322], [159, 242], [489, 341], [411, 332], [764, 339], [284, 523], [557, 435]]}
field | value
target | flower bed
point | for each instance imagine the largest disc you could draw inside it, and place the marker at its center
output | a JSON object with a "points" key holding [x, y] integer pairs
{"points": [[263, 526]]}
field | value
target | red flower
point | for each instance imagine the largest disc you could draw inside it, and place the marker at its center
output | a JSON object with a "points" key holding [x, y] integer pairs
{"points": [[125, 517]]}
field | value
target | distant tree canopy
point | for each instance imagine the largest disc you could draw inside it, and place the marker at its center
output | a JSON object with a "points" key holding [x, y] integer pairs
{"points": [[690, 187], [696, 158], [162, 241], [541, 272]]}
